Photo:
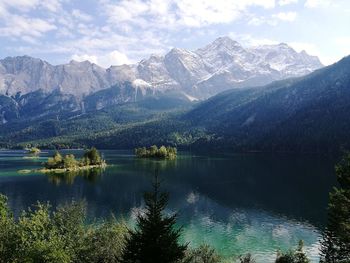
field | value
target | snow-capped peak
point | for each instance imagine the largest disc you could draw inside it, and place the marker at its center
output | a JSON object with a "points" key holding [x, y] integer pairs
{"points": [[200, 73]]}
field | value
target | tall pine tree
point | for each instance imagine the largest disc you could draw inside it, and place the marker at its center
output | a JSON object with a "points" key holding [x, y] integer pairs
{"points": [[335, 246], [155, 240]]}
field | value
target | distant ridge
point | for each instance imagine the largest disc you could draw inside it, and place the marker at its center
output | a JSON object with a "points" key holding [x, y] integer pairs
{"points": [[220, 65]]}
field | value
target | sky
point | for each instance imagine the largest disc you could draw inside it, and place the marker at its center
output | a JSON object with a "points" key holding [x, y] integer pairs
{"points": [[112, 32]]}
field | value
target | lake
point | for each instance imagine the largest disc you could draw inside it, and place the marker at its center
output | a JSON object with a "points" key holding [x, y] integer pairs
{"points": [[237, 203]]}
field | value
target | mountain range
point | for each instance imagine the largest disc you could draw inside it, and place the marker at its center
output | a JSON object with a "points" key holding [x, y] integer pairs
{"points": [[188, 75], [304, 112]]}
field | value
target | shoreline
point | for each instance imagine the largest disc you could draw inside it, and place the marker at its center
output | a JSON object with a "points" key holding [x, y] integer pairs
{"points": [[63, 170]]}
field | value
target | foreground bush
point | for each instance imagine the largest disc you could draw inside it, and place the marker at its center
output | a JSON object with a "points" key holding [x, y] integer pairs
{"points": [[336, 237], [293, 256], [61, 235], [202, 254]]}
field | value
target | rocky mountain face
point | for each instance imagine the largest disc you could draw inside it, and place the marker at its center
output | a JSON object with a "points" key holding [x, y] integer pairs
{"points": [[194, 75]]}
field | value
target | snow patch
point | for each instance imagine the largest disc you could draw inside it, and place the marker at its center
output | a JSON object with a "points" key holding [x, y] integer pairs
{"points": [[190, 98], [140, 83], [3, 120], [2, 85]]}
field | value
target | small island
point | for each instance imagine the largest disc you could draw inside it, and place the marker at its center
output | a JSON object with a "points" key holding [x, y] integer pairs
{"points": [[155, 152], [32, 153], [58, 163]]}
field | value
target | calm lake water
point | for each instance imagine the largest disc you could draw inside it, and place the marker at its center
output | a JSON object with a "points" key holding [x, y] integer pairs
{"points": [[237, 203]]}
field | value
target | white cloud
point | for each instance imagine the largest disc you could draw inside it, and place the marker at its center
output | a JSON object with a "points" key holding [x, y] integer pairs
{"points": [[287, 2], [286, 16], [313, 50], [310, 48], [273, 20], [80, 58], [27, 5], [20, 26], [317, 3], [249, 40], [344, 45], [51, 5], [81, 15], [199, 13], [187, 13], [258, 21], [344, 41], [22, 5], [113, 58]]}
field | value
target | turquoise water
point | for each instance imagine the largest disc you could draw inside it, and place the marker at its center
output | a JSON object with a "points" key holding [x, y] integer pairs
{"points": [[237, 203]]}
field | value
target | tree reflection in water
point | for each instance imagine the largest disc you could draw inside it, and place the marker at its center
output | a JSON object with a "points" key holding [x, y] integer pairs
{"points": [[91, 175]]}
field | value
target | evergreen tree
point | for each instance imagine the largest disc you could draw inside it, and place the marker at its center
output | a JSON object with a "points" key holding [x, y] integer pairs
{"points": [[335, 245], [92, 157], [155, 239]]}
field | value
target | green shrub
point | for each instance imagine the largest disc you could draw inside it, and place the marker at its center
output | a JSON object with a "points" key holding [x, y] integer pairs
{"points": [[155, 152], [202, 254], [62, 235], [293, 256], [91, 157]]}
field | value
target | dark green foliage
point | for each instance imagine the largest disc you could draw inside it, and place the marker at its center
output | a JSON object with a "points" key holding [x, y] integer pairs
{"points": [[336, 237], [55, 162], [69, 161], [108, 239], [44, 235], [202, 254], [64, 130], [91, 157], [155, 240], [246, 259], [7, 243], [293, 256], [153, 152]]}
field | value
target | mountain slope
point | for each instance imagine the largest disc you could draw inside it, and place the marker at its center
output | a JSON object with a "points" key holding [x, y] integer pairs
{"points": [[307, 113]]}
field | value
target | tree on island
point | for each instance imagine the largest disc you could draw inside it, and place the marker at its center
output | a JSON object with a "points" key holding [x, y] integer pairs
{"points": [[155, 238], [55, 162], [335, 245], [91, 157], [34, 151], [155, 152]]}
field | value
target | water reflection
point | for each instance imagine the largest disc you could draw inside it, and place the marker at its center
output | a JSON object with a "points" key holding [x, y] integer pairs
{"points": [[237, 203], [92, 176]]}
